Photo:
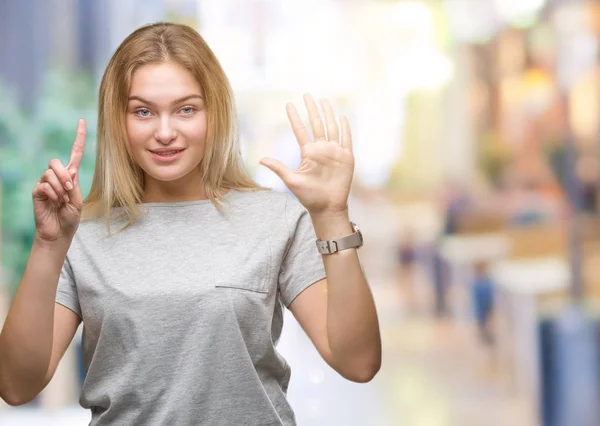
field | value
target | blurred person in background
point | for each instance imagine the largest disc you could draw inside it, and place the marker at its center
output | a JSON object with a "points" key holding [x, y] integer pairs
{"points": [[407, 261], [178, 264], [483, 301], [588, 172], [453, 202]]}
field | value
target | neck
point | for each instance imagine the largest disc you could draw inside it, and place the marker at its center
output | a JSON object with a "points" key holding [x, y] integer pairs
{"points": [[187, 188]]}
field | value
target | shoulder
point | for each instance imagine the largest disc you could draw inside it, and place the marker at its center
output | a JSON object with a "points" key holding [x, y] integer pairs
{"points": [[95, 228], [86, 237], [259, 195], [271, 208], [266, 201]]}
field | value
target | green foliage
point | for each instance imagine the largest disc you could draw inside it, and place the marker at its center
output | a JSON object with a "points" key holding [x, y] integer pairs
{"points": [[27, 143]]}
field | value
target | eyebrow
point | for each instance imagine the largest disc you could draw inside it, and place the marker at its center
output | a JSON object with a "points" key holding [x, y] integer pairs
{"points": [[176, 101]]}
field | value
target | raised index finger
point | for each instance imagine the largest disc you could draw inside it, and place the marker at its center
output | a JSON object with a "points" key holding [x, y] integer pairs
{"points": [[78, 146]]}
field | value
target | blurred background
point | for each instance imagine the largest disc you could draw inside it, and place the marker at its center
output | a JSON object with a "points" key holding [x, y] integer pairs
{"points": [[476, 127]]}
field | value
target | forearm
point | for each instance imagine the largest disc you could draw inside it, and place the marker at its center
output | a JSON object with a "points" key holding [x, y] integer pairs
{"points": [[26, 338], [352, 324]]}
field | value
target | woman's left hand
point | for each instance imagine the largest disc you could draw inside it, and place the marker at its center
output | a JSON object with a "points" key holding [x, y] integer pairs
{"points": [[322, 182]]}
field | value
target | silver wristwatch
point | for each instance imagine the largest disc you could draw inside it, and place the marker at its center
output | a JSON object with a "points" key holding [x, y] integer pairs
{"points": [[350, 241]]}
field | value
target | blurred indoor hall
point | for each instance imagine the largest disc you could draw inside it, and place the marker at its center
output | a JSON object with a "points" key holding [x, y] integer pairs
{"points": [[476, 184]]}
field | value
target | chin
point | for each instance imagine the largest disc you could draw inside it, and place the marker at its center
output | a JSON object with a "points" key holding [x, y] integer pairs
{"points": [[166, 176]]}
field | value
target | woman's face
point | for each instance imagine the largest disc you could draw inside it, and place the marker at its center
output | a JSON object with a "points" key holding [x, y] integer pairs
{"points": [[166, 122]]}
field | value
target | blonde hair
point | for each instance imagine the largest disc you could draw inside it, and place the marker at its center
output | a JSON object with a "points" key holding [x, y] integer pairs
{"points": [[118, 180]]}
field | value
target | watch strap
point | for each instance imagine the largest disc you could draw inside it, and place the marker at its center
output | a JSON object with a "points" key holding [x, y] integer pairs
{"points": [[333, 246]]}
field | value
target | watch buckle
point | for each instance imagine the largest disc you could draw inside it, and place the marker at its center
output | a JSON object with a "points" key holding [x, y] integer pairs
{"points": [[330, 245]]}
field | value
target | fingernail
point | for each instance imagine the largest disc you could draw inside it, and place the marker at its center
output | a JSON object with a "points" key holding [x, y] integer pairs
{"points": [[69, 186], [66, 198]]}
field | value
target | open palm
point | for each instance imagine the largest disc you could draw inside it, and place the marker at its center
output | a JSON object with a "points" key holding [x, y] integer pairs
{"points": [[322, 181]]}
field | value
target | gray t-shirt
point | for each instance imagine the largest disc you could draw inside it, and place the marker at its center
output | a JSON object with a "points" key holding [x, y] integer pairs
{"points": [[183, 310]]}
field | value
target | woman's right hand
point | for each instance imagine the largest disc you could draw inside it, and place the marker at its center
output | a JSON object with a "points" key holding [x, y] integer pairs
{"points": [[57, 200]]}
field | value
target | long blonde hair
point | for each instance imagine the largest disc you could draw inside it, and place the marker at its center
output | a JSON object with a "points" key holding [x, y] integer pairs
{"points": [[118, 180]]}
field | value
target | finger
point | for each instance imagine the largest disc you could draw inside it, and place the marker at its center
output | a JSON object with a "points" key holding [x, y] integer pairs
{"points": [[278, 168], [62, 173], [43, 191], [50, 178], [78, 146], [333, 132], [346, 133], [298, 127], [315, 118]]}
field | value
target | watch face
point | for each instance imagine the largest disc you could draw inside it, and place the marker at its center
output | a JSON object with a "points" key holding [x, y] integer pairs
{"points": [[357, 229]]}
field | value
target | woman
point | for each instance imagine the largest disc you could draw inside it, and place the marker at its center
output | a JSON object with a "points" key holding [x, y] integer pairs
{"points": [[181, 265]]}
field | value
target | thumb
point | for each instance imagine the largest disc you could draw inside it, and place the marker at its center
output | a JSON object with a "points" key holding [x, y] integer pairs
{"points": [[73, 172], [75, 193], [277, 167]]}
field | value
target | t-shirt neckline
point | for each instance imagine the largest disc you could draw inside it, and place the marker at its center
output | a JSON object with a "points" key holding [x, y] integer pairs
{"points": [[227, 195]]}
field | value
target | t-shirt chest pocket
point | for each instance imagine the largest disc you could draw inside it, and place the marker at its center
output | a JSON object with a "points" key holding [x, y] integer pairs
{"points": [[242, 263]]}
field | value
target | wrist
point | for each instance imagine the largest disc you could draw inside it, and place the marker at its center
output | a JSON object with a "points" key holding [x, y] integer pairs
{"points": [[330, 215], [332, 224], [45, 244]]}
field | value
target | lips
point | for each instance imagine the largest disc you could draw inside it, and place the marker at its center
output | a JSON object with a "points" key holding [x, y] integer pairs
{"points": [[166, 155], [164, 151]]}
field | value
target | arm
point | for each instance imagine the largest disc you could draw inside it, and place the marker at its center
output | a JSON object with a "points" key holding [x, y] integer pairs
{"points": [[338, 313], [26, 341], [36, 333]]}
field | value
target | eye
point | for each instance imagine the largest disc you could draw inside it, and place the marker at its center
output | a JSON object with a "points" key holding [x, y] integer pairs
{"points": [[188, 110], [143, 112]]}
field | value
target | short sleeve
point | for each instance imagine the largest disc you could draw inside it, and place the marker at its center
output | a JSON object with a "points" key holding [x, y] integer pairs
{"points": [[302, 264], [66, 292]]}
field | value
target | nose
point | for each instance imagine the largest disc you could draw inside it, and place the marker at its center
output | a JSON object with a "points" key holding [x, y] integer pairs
{"points": [[165, 133]]}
